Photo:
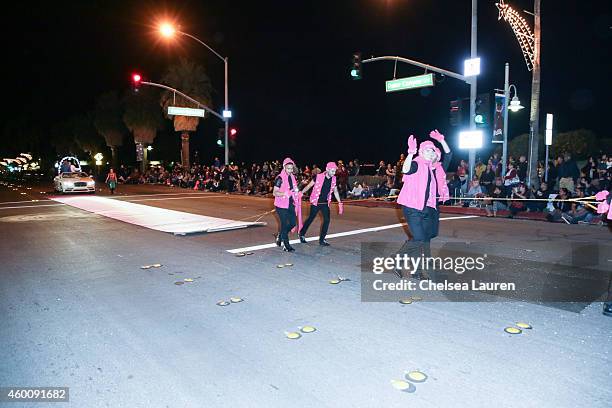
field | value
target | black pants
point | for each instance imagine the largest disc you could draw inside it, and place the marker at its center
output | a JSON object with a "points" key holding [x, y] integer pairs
{"points": [[287, 221], [424, 224], [314, 209]]}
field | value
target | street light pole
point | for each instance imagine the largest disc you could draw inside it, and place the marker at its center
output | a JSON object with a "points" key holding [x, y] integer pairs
{"points": [[226, 109], [224, 59], [506, 103], [473, 81]]}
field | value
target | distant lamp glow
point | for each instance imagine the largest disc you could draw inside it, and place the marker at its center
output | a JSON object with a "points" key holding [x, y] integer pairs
{"points": [[470, 139], [471, 67], [149, 148], [219, 143], [167, 30], [233, 132], [515, 104], [136, 78], [354, 73], [227, 113]]}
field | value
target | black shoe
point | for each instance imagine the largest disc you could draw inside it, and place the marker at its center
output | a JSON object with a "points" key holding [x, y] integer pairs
{"points": [[324, 243], [277, 239], [287, 246], [607, 309], [302, 239]]}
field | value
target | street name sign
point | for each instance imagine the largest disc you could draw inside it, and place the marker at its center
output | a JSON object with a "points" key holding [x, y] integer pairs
{"points": [[180, 111], [419, 81]]}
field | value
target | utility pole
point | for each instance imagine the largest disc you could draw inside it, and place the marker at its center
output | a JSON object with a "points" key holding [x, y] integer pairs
{"points": [[473, 90], [506, 104], [534, 122]]}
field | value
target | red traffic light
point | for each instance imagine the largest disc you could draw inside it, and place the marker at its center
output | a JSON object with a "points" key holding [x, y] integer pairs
{"points": [[233, 131], [136, 78]]}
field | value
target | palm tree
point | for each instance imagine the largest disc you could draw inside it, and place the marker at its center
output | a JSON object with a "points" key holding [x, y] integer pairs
{"points": [[143, 118], [85, 133], [191, 79], [107, 120]]}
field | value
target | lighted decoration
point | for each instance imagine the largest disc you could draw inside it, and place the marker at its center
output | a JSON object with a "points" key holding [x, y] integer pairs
{"points": [[72, 160], [521, 29]]}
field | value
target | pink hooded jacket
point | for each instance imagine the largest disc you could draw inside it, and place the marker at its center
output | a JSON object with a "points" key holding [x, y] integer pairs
{"points": [[320, 179], [413, 191]]}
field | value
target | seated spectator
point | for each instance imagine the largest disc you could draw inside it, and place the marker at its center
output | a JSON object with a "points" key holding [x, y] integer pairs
{"points": [[511, 177], [488, 177], [498, 190], [560, 207], [356, 191], [516, 206], [541, 193]]}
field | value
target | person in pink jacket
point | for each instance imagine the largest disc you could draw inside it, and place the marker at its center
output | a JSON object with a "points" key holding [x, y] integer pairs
{"points": [[287, 203], [320, 199], [605, 209], [424, 178]]}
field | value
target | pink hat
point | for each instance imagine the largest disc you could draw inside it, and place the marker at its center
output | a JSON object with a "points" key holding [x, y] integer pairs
{"points": [[288, 161], [426, 145], [331, 165]]}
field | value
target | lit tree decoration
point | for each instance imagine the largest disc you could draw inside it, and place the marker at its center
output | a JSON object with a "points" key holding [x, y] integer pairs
{"points": [[521, 29]]}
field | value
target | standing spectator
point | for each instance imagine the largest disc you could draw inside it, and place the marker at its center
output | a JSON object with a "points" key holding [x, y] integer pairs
{"points": [[382, 169], [521, 169], [462, 171], [342, 179]]}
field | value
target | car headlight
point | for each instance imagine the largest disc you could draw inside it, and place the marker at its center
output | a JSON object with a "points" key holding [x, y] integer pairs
{"points": [[91, 183], [68, 184]]}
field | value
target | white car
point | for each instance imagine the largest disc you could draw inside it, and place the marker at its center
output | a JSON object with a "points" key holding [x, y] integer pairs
{"points": [[77, 182]]}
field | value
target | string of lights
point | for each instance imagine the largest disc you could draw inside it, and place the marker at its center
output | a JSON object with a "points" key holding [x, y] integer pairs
{"points": [[521, 29]]}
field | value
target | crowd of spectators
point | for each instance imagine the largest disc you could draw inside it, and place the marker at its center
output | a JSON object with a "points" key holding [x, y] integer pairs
{"points": [[491, 188], [496, 190]]}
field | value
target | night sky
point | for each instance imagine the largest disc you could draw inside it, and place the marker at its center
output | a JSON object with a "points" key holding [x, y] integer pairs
{"points": [[290, 88]]}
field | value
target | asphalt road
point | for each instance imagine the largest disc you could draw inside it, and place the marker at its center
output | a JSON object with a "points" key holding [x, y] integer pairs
{"points": [[78, 311]]}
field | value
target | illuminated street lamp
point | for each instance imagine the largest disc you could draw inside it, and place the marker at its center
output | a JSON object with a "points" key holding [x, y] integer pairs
{"points": [[167, 30]]}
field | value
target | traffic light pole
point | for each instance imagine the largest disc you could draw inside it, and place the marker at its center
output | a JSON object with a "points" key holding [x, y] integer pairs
{"points": [[472, 80], [189, 98]]}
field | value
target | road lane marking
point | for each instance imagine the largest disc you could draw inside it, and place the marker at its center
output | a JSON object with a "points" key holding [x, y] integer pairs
{"points": [[340, 234], [172, 198], [33, 206]]}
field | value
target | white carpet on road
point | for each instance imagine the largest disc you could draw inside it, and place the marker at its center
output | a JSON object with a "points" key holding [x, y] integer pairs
{"points": [[159, 219]]}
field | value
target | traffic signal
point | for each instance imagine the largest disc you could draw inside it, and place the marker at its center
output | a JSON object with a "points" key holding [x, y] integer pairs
{"points": [[482, 112], [232, 137], [456, 113], [136, 79], [220, 137], [356, 66]]}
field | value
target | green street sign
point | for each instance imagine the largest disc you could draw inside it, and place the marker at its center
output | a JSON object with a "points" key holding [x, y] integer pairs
{"points": [[419, 81], [180, 111]]}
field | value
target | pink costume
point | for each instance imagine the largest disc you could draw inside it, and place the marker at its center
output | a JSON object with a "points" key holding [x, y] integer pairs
{"points": [[604, 206], [415, 185], [316, 190], [283, 202]]}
